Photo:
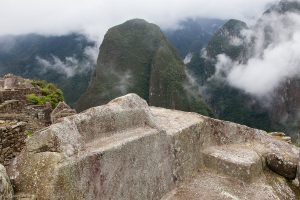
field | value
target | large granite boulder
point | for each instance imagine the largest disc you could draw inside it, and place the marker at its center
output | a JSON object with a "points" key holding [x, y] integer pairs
{"points": [[6, 190], [107, 152], [128, 150]]}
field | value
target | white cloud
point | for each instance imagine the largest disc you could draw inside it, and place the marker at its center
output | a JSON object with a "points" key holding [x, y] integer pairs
{"points": [[188, 58], [235, 41], [66, 67], [276, 56], [94, 17], [70, 66]]}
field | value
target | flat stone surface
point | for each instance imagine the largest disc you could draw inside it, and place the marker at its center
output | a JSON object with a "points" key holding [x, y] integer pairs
{"points": [[233, 160], [208, 185], [174, 121], [118, 139]]}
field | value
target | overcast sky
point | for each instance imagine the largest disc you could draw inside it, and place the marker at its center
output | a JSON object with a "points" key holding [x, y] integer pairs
{"points": [[94, 17]]}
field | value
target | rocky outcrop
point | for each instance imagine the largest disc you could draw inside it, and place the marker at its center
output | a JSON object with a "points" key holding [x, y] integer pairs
{"points": [[6, 190], [127, 150], [281, 136], [282, 165], [62, 110]]}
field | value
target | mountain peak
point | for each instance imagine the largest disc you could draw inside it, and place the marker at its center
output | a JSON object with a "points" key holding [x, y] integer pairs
{"points": [[284, 6], [135, 57], [136, 21]]}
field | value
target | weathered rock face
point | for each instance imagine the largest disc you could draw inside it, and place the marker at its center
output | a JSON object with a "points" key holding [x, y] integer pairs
{"points": [[127, 150], [281, 165], [103, 145], [6, 190], [236, 161]]}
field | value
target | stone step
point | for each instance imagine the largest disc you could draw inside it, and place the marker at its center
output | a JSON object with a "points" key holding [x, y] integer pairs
{"points": [[240, 162], [118, 139], [208, 185]]}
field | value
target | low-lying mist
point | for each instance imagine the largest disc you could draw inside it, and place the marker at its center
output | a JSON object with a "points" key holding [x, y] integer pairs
{"points": [[274, 58]]}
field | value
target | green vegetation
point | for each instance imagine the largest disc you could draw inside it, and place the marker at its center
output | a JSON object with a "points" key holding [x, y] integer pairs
{"points": [[50, 93], [221, 42], [29, 133], [193, 34], [236, 106], [229, 104]]}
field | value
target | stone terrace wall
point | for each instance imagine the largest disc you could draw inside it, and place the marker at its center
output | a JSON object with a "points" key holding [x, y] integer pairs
{"points": [[11, 106], [12, 141], [19, 94]]}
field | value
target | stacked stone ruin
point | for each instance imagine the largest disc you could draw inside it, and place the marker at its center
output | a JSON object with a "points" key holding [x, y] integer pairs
{"points": [[12, 140], [127, 150], [18, 119]]}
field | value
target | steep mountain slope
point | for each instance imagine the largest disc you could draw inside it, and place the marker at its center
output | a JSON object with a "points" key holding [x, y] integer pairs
{"points": [[228, 103], [227, 39], [57, 59], [135, 57], [285, 107], [233, 104], [192, 34], [284, 6]]}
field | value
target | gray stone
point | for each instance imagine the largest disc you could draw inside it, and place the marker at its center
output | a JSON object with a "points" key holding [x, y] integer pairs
{"points": [[235, 160], [6, 190], [282, 165]]}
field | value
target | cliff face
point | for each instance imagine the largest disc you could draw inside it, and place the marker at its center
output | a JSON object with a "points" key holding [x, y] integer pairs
{"points": [[227, 102], [136, 57]]}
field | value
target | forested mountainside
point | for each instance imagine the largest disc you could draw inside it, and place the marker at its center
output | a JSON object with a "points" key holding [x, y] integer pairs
{"points": [[279, 111], [191, 35], [135, 57], [63, 60]]}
